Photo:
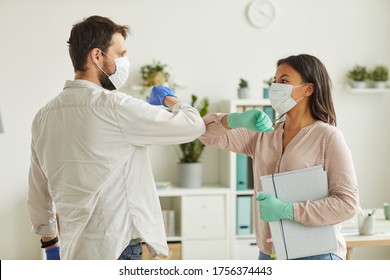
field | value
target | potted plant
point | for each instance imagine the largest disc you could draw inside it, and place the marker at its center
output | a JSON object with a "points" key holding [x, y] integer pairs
{"points": [[189, 167], [156, 74], [379, 75], [358, 75], [267, 84], [243, 89]]}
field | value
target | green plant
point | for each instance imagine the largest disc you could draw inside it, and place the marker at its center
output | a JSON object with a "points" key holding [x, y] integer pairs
{"points": [[156, 74], [243, 83], [191, 152], [379, 74], [269, 81], [358, 73]]}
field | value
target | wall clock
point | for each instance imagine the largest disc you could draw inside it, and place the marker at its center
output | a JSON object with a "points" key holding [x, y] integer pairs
{"points": [[261, 13]]}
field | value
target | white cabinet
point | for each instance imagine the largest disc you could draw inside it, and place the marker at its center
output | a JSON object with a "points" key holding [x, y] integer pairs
{"points": [[246, 249], [243, 245], [201, 221], [207, 249], [203, 217]]}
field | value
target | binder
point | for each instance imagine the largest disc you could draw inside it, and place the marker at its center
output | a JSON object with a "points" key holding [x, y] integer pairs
{"points": [[244, 217], [293, 240], [250, 174], [242, 172], [270, 112], [169, 221]]}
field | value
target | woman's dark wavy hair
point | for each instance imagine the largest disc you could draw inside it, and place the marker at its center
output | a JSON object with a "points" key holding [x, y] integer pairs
{"points": [[92, 32], [313, 71]]}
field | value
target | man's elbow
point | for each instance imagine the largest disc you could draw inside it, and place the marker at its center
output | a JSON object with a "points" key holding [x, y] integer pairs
{"points": [[198, 129], [202, 128]]}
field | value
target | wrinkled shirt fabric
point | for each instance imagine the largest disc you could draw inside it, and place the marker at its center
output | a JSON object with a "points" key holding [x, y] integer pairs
{"points": [[90, 166]]}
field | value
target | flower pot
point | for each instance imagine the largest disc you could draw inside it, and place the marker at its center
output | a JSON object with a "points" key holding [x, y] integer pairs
{"points": [[358, 84], [156, 79], [266, 93], [189, 175], [379, 84], [243, 93]]}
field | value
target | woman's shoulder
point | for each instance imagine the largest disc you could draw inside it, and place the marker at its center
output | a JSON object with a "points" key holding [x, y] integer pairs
{"points": [[326, 129]]}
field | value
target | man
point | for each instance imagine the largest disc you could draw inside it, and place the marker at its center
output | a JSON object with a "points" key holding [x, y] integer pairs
{"points": [[90, 165]]}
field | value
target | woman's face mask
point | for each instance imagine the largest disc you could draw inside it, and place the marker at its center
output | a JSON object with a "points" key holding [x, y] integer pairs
{"points": [[281, 99], [121, 74]]}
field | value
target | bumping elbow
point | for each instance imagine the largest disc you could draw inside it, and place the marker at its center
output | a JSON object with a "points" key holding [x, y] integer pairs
{"points": [[198, 128], [202, 128]]}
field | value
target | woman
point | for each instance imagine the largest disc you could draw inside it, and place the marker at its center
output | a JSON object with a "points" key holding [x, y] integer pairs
{"points": [[305, 136]]}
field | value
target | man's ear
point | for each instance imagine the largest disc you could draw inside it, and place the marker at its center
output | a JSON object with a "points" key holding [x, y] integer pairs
{"points": [[95, 55]]}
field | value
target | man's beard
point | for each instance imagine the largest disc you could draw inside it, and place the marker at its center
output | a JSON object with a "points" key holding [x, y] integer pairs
{"points": [[105, 81]]}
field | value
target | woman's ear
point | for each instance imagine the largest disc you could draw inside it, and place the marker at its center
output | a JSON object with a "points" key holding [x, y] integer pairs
{"points": [[309, 89]]}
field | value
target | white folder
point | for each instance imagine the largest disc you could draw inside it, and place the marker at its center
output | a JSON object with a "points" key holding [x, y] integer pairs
{"points": [[291, 239]]}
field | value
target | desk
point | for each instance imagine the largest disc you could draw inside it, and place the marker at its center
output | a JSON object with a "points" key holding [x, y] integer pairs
{"points": [[380, 238]]}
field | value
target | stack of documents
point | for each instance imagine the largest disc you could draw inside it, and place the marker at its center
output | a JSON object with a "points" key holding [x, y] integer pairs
{"points": [[293, 240]]}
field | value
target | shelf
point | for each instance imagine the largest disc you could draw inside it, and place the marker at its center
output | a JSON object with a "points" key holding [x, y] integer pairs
{"points": [[207, 189], [174, 238], [196, 218], [246, 192], [243, 246], [246, 236], [368, 90]]}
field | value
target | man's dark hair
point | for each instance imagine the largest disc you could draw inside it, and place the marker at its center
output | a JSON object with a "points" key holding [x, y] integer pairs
{"points": [[92, 32]]}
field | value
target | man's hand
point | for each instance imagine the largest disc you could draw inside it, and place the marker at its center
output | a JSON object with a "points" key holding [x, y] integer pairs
{"points": [[255, 120], [158, 94], [273, 209]]}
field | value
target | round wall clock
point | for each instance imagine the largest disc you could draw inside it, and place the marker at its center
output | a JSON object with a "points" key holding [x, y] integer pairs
{"points": [[261, 13]]}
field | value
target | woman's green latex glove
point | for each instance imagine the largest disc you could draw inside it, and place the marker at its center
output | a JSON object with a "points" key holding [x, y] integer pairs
{"points": [[255, 120], [273, 209]]}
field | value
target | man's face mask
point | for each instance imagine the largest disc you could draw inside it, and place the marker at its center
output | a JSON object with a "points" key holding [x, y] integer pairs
{"points": [[122, 68], [280, 97]]}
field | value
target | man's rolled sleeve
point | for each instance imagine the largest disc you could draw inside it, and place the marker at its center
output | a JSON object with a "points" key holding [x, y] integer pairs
{"points": [[40, 204]]}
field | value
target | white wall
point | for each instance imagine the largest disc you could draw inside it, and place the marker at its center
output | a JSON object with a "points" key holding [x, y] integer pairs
{"points": [[209, 45]]}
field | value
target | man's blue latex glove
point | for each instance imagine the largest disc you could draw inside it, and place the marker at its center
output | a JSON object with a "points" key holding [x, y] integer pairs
{"points": [[53, 253], [255, 120], [273, 209], [158, 94]]}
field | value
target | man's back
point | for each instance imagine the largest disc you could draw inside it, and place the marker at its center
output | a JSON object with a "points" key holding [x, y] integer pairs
{"points": [[87, 142]]}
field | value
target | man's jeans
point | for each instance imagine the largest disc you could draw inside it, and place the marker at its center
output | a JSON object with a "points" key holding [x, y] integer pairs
{"points": [[133, 251]]}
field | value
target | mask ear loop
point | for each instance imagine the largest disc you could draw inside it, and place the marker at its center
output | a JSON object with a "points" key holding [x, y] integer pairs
{"points": [[103, 70], [100, 67], [302, 96]]}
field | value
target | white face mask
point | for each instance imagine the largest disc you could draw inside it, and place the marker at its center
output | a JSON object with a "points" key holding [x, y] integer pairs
{"points": [[122, 69], [280, 97]]}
